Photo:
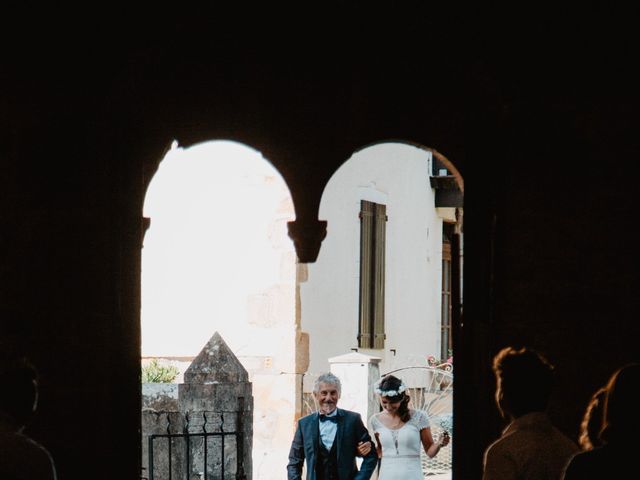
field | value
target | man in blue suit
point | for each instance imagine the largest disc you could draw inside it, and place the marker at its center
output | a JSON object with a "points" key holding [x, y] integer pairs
{"points": [[329, 439]]}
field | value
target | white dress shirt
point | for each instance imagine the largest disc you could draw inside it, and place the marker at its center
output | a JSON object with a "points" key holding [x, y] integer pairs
{"points": [[328, 430]]}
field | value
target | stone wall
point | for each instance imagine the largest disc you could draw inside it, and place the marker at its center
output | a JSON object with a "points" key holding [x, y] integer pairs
{"points": [[205, 421], [160, 396]]}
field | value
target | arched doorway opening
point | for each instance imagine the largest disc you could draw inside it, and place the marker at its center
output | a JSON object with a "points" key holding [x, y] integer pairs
{"points": [[216, 258], [386, 287]]}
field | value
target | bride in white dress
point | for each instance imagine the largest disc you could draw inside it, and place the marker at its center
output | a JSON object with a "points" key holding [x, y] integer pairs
{"points": [[401, 432]]}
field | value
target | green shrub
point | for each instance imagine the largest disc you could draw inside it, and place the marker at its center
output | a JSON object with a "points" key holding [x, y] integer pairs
{"points": [[156, 373]]}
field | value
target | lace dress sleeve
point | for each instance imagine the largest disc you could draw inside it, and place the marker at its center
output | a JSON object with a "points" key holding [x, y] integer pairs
{"points": [[420, 419], [374, 423]]}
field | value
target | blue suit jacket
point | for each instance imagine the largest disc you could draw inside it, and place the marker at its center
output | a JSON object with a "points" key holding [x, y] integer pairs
{"points": [[350, 431]]}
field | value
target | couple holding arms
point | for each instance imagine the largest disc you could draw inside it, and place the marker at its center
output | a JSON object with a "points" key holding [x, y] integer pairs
{"points": [[330, 439]]}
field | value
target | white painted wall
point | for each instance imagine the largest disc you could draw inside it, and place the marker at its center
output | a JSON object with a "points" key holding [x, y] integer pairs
{"points": [[396, 175]]}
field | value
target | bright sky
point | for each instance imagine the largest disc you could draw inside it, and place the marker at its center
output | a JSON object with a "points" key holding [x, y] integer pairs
{"points": [[210, 243]]}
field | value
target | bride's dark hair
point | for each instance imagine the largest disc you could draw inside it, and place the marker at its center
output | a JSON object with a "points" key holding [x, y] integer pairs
{"points": [[391, 383]]}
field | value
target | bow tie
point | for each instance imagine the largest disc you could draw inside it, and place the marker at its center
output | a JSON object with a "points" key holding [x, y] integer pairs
{"points": [[326, 418]]}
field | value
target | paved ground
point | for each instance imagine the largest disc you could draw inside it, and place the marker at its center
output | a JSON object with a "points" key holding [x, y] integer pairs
{"points": [[429, 476]]}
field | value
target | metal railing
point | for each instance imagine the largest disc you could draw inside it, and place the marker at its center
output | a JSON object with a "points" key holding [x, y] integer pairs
{"points": [[197, 455]]}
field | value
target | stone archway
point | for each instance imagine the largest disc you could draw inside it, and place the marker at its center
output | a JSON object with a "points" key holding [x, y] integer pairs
{"points": [[216, 257]]}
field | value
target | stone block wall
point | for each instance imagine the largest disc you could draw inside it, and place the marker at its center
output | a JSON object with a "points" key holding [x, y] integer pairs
{"points": [[214, 407]]}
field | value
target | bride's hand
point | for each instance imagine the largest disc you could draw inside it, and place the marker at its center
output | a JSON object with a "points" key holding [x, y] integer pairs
{"points": [[364, 448], [444, 439]]}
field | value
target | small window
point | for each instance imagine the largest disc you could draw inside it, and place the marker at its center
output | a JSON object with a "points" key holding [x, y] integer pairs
{"points": [[446, 338], [373, 218]]}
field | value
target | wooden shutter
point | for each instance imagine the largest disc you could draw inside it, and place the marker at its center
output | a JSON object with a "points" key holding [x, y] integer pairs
{"points": [[446, 340], [372, 274]]}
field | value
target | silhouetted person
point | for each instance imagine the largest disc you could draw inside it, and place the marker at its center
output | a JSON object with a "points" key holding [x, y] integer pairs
{"points": [[21, 458], [530, 448], [617, 457], [593, 421]]}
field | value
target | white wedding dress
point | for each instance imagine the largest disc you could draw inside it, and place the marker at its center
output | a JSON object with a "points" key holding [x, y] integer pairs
{"points": [[401, 447]]}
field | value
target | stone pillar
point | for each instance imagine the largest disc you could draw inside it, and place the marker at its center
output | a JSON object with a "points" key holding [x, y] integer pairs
{"points": [[216, 396], [162, 423], [357, 372]]}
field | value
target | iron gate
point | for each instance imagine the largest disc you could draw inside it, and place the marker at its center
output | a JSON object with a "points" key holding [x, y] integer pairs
{"points": [[199, 455]]}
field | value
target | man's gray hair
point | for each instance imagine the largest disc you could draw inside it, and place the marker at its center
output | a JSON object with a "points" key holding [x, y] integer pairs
{"points": [[328, 378]]}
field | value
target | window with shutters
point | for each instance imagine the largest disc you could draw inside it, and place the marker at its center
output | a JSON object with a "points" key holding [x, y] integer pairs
{"points": [[446, 338], [373, 218]]}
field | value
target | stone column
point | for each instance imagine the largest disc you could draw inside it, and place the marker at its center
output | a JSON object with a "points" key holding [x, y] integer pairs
{"points": [[357, 373], [216, 396]]}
